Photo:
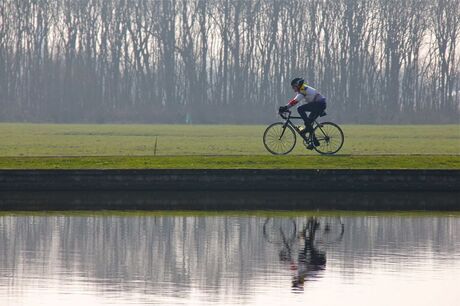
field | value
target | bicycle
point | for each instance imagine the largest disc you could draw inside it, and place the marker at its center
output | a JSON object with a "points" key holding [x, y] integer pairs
{"points": [[280, 137]]}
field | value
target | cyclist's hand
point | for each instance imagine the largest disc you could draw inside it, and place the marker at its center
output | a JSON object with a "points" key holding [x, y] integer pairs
{"points": [[283, 109]]}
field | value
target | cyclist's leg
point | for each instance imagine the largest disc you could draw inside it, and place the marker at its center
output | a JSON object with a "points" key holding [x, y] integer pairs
{"points": [[302, 110], [317, 109]]}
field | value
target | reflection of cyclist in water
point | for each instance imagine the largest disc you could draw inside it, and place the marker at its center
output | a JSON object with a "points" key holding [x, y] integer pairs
{"points": [[316, 233], [311, 260]]}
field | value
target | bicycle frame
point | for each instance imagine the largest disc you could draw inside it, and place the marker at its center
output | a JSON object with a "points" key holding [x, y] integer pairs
{"points": [[289, 122]]}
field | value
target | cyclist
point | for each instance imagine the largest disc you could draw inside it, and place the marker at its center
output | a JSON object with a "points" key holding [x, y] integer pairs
{"points": [[313, 102]]}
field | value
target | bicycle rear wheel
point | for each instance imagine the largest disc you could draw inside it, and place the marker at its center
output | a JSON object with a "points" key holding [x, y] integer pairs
{"points": [[330, 137], [279, 139], [330, 230]]}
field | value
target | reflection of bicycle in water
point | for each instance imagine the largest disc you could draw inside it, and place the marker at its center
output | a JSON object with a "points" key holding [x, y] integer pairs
{"points": [[322, 231], [308, 239]]}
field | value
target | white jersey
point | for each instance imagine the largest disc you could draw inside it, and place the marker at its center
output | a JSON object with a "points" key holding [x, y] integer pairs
{"points": [[306, 94]]}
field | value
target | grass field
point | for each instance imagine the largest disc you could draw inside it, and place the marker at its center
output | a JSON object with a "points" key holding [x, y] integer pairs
{"points": [[219, 146]]}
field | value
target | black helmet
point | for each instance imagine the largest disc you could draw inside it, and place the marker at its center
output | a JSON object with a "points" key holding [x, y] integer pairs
{"points": [[297, 82]]}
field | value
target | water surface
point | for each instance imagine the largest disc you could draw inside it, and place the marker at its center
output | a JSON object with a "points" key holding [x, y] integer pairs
{"points": [[118, 259]]}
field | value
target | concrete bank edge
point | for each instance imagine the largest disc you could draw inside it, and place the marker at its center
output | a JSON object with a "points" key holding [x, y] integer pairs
{"points": [[230, 180]]}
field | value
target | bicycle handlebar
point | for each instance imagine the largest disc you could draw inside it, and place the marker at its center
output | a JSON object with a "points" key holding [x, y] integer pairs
{"points": [[283, 116]]}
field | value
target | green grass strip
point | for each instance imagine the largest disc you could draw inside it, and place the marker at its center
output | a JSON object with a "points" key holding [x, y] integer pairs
{"points": [[235, 162]]}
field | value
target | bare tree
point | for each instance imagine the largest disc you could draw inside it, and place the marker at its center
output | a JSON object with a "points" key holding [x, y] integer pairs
{"points": [[227, 61]]}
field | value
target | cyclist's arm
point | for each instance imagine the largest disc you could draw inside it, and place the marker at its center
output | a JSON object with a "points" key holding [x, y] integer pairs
{"points": [[295, 100]]}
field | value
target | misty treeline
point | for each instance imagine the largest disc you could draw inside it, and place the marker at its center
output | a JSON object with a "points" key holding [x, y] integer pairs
{"points": [[227, 61]]}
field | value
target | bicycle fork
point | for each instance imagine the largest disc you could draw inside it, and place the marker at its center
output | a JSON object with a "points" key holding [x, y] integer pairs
{"points": [[284, 129]]}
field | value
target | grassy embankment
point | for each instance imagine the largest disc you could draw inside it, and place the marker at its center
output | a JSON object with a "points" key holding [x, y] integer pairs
{"points": [[37, 146]]}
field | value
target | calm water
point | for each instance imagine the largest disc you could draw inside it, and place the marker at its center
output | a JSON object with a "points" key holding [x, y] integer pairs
{"points": [[225, 260]]}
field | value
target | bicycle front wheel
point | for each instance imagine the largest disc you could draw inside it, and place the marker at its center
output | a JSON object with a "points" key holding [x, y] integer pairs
{"points": [[280, 230], [330, 137], [279, 139]]}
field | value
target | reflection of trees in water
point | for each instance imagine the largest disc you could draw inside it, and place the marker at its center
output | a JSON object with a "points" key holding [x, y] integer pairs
{"points": [[162, 251], [206, 252]]}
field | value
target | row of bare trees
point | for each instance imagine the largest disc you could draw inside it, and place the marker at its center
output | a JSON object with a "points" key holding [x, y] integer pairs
{"points": [[206, 61]]}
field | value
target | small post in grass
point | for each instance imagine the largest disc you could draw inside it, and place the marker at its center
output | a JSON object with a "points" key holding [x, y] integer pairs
{"points": [[155, 148]]}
